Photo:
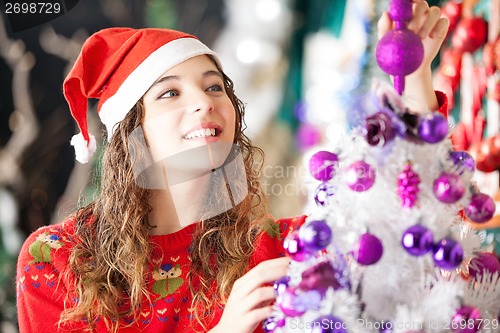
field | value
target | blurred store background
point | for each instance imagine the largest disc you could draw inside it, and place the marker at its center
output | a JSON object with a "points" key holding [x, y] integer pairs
{"points": [[301, 67]]}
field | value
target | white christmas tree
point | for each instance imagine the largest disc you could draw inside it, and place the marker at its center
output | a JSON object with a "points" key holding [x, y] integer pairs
{"points": [[386, 248]]}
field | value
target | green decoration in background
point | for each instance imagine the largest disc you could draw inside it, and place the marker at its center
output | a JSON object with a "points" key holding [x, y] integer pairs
{"points": [[160, 14], [312, 16]]}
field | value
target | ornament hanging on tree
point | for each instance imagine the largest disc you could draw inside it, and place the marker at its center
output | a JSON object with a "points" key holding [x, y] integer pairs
{"points": [[417, 240], [448, 253], [466, 320], [291, 303], [481, 208], [315, 235], [408, 181], [324, 192], [448, 188], [294, 247], [323, 165], [319, 277], [433, 127], [484, 262], [328, 324], [360, 176], [369, 250], [463, 162]]}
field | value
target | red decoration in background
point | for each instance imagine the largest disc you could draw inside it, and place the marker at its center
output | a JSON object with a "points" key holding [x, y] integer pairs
{"points": [[470, 34], [486, 153], [467, 34], [453, 11]]}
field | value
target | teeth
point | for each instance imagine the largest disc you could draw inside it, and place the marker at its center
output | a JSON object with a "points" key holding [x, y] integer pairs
{"points": [[200, 133]]}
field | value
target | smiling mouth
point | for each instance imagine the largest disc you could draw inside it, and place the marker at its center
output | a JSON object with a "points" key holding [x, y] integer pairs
{"points": [[202, 133]]}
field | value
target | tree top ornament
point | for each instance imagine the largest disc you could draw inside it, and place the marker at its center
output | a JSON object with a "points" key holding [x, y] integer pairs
{"points": [[400, 51]]}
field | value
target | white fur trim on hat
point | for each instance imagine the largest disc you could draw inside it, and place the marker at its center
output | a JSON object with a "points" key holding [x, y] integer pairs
{"points": [[116, 107], [83, 149]]}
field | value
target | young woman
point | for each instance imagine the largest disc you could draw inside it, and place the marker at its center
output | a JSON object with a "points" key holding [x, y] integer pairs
{"points": [[178, 239]]}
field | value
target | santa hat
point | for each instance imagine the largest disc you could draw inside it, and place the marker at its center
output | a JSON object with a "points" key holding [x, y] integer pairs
{"points": [[117, 66]]}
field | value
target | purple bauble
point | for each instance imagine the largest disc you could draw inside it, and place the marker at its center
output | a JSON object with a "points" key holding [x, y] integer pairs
{"points": [[483, 262], [323, 193], [360, 176], [323, 165], [417, 240], [433, 127], [319, 277], [380, 129], [386, 327], [463, 161], [370, 249], [307, 136], [448, 253], [328, 324], [449, 187], [399, 52], [291, 304], [270, 324], [481, 208], [280, 287], [466, 320], [294, 247], [315, 235]]}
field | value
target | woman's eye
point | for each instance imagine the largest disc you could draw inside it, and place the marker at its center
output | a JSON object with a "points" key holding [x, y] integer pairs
{"points": [[169, 94], [215, 87]]}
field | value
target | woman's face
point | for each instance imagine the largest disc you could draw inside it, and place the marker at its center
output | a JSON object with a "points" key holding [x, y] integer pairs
{"points": [[189, 119]]}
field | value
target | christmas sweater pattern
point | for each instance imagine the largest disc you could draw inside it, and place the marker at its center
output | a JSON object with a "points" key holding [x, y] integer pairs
{"points": [[42, 288]]}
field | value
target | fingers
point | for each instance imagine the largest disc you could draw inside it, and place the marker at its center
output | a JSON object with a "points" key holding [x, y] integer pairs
{"points": [[260, 314], [260, 297], [420, 10], [441, 28], [384, 24], [266, 271], [431, 18], [427, 21]]}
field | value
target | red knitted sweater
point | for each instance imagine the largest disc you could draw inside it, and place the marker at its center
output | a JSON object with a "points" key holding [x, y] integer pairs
{"points": [[42, 288]]}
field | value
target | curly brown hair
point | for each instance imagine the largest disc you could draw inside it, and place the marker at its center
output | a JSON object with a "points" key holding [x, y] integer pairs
{"points": [[119, 231]]}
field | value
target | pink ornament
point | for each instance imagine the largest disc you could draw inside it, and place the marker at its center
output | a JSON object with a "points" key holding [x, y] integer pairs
{"points": [[308, 136], [370, 249], [449, 188], [291, 304], [408, 181], [319, 277], [466, 320], [481, 208], [483, 262], [360, 176], [323, 165]]}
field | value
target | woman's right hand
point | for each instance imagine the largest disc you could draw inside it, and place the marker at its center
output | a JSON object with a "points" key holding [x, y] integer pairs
{"points": [[250, 302]]}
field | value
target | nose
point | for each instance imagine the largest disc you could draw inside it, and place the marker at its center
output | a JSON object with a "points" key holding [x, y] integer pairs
{"points": [[202, 103]]}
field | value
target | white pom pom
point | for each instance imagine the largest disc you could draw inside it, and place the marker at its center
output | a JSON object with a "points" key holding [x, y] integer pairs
{"points": [[83, 149]]}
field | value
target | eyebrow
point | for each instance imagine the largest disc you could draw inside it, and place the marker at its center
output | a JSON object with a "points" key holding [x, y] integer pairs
{"points": [[178, 78]]}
